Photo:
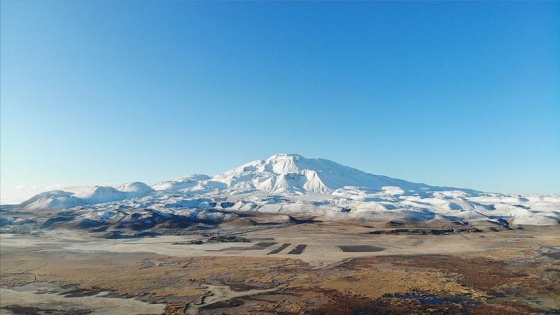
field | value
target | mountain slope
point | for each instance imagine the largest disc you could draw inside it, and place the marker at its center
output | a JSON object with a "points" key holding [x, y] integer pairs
{"points": [[56, 199], [293, 173], [180, 183], [60, 199], [293, 184]]}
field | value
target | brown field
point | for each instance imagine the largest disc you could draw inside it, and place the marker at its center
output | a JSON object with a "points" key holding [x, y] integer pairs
{"points": [[319, 268]]}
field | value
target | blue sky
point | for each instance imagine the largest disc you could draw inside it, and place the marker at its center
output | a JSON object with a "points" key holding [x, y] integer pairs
{"points": [[464, 93]]}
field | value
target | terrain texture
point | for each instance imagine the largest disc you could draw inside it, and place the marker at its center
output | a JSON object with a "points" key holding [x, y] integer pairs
{"points": [[284, 184], [286, 235], [309, 268]]}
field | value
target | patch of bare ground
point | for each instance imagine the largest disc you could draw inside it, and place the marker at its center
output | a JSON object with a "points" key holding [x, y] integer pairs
{"points": [[322, 301], [345, 304], [424, 284], [496, 276], [26, 310], [516, 275], [351, 305], [515, 284]]}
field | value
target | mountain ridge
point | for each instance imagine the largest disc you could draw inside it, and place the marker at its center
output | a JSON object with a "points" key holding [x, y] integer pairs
{"points": [[291, 183]]}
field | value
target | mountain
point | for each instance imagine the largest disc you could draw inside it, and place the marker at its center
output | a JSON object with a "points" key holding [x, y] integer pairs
{"points": [[60, 199], [181, 183], [56, 199], [135, 189], [293, 184], [293, 173]]}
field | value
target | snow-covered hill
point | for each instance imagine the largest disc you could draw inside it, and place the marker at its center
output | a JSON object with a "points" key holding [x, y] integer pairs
{"points": [[82, 196], [291, 183], [181, 183]]}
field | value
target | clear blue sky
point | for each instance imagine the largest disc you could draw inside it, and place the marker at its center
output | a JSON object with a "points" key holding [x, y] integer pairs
{"points": [[464, 93]]}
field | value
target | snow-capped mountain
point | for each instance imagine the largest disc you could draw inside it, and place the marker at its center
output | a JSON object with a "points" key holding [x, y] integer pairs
{"points": [[56, 199], [292, 173], [291, 183], [60, 199]]}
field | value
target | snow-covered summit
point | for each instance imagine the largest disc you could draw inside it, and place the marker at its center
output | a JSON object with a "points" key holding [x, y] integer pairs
{"points": [[134, 188], [60, 199], [291, 183], [279, 174], [293, 173], [55, 199]]}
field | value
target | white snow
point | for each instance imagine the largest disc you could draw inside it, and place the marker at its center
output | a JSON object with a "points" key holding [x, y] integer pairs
{"points": [[291, 183], [180, 183]]}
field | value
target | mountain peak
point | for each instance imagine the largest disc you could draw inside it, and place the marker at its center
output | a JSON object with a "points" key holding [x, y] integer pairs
{"points": [[280, 156], [284, 163], [280, 184], [289, 173]]}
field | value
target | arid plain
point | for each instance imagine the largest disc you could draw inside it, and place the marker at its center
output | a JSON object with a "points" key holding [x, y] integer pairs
{"points": [[292, 268]]}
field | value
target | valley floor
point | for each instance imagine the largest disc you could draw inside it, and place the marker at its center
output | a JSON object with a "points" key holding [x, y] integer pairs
{"points": [[316, 268]]}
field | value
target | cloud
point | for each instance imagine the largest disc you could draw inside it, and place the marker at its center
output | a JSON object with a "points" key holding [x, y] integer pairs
{"points": [[26, 187]]}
